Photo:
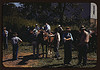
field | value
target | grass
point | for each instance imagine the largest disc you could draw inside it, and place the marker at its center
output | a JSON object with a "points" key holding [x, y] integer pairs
{"points": [[52, 62]]}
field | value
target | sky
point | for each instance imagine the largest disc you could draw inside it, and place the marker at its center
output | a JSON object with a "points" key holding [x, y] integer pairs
{"points": [[86, 7], [17, 4]]}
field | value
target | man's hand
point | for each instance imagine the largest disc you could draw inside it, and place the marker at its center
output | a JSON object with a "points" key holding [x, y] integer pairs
{"points": [[21, 41], [67, 39]]}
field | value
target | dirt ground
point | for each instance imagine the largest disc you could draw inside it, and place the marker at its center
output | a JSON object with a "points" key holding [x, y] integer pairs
{"points": [[8, 62], [24, 60]]}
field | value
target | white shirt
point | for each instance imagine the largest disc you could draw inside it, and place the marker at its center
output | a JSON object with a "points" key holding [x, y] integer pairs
{"points": [[58, 36], [48, 27], [6, 33], [15, 40]]}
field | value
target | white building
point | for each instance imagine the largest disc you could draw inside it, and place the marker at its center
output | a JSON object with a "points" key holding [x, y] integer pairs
{"points": [[93, 14]]}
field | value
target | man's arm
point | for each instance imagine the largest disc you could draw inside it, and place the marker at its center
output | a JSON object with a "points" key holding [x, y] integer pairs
{"points": [[20, 39], [67, 39]]}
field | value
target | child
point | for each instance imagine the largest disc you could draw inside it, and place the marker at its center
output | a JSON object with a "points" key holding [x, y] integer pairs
{"points": [[15, 40]]}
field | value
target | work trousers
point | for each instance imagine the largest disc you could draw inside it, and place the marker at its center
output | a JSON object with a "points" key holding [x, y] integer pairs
{"points": [[5, 39], [15, 51], [35, 47], [82, 53], [67, 52], [56, 47]]}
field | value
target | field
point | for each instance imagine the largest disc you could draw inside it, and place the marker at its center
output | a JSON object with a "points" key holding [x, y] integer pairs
{"points": [[25, 58]]}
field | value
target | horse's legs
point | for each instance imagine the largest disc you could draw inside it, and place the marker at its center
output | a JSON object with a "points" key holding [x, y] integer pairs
{"points": [[50, 51], [37, 49], [46, 51], [42, 50], [34, 46]]}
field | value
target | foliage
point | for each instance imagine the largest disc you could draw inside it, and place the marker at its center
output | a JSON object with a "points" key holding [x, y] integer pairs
{"points": [[29, 14], [16, 23]]}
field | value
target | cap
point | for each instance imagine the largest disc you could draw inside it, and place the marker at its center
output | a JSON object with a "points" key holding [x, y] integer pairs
{"points": [[59, 25]]}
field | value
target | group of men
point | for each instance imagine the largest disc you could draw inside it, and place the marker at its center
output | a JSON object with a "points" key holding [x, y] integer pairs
{"points": [[14, 41], [66, 37], [35, 38], [46, 27], [82, 46]]}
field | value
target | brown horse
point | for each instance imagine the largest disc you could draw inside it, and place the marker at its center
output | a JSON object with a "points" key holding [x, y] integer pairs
{"points": [[46, 39]]}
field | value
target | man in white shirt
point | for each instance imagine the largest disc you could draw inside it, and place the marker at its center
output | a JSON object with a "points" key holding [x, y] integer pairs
{"points": [[56, 44], [5, 38], [48, 28], [36, 27], [60, 30], [15, 41]]}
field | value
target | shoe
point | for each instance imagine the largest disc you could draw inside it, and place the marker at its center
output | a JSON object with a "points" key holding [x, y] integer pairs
{"points": [[79, 63], [59, 58], [55, 56], [69, 63], [64, 63], [84, 64]]}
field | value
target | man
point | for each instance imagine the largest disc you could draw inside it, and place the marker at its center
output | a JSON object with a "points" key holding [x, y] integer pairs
{"points": [[37, 27], [67, 46], [56, 44], [5, 38], [83, 45], [33, 38], [41, 28], [60, 30], [28, 28], [15, 41], [48, 28], [27, 33]]}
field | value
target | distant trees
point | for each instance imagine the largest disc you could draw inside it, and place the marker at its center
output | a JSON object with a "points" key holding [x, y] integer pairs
{"points": [[54, 13], [29, 14]]}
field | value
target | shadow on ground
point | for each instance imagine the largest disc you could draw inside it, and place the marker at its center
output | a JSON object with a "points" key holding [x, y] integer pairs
{"points": [[26, 58]]}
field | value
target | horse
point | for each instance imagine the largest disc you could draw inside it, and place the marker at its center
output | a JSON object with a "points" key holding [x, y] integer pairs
{"points": [[46, 39]]}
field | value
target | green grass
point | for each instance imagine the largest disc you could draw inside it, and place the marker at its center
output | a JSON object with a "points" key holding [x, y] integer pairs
{"points": [[52, 62]]}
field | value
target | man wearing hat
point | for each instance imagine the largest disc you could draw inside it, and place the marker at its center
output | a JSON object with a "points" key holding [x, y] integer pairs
{"points": [[56, 44], [5, 38], [37, 27], [83, 45], [48, 28], [15, 39], [67, 37], [60, 30], [34, 41]]}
